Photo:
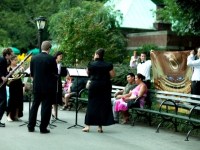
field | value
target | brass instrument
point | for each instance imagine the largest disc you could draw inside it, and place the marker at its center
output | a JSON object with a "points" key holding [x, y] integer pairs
{"points": [[15, 77], [15, 69]]}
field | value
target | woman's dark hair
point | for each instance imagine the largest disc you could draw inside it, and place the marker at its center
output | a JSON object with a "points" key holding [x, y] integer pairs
{"points": [[140, 76], [13, 57], [100, 52], [57, 54]]}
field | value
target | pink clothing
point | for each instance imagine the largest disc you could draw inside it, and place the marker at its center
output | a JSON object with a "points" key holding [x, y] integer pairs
{"points": [[135, 92], [121, 105], [67, 86]]}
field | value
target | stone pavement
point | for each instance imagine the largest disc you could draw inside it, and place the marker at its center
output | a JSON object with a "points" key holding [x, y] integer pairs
{"points": [[115, 137]]}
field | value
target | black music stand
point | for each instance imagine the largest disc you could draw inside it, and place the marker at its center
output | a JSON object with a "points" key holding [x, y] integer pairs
{"points": [[73, 72], [63, 73], [27, 75], [29, 108], [29, 96]]}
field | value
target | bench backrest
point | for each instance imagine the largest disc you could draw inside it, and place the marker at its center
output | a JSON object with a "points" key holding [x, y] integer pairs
{"points": [[115, 89], [180, 99]]}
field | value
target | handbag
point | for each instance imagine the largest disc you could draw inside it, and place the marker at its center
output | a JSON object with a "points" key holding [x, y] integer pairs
{"points": [[133, 103], [88, 84]]}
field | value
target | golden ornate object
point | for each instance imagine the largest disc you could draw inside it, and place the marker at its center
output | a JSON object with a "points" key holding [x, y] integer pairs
{"points": [[170, 71]]}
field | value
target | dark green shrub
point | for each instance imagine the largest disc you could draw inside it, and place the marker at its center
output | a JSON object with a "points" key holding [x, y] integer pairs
{"points": [[121, 72]]}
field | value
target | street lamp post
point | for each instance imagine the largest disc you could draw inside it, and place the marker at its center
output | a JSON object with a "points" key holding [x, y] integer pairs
{"points": [[41, 21]]}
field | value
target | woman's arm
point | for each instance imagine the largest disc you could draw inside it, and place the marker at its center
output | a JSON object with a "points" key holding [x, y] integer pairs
{"points": [[124, 96], [143, 90]]}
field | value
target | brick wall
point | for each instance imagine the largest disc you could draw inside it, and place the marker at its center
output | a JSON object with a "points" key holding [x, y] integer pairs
{"points": [[163, 39]]}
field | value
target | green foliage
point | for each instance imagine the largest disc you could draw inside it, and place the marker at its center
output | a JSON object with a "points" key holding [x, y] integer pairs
{"points": [[121, 71], [145, 48], [17, 21], [184, 16], [82, 29], [158, 2]]}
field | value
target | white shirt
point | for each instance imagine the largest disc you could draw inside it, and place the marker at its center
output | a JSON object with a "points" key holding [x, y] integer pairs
{"points": [[195, 64], [143, 68]]}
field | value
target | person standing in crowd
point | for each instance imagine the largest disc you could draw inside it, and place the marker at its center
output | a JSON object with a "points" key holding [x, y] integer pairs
{"points": [[7, 53], [143, 66], [15, 101], [58, 101], [194, 62], [129, 86], [43, 70], [99, 109]]}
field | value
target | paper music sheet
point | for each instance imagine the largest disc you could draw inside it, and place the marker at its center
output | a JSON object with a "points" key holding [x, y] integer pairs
{"points": [[82, 72], [77, 72]]}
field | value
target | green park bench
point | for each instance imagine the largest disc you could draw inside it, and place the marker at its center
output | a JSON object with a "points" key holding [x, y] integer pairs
{"points": [[171, 107], [83, 96]]}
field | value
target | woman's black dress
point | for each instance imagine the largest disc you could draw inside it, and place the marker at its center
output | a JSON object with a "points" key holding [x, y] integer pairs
{"points": [[99, 109], [16, 98]]}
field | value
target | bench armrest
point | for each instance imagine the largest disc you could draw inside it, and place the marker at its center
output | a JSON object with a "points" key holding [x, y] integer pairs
{"points": [[168, 103]]}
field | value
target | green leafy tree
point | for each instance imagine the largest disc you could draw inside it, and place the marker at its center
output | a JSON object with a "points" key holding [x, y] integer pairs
{"points": [[191, 7], [17, 21], [82, 29], [184, 15]]}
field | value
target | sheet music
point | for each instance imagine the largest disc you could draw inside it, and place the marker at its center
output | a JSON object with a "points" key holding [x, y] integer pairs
{"points": [[82, 72], [77, 72]]}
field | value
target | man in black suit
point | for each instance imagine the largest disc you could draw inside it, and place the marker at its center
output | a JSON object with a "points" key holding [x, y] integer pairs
{"points": [[44, 71], [7, 53]]}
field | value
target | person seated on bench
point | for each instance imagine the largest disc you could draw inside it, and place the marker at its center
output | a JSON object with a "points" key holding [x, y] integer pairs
{"points": [[77, 85], [66, 91], [131, 100], [67, 84], [129, 86]]}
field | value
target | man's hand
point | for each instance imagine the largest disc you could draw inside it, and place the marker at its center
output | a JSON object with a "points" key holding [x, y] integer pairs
{"points": [[116, 94], [119, 96]]}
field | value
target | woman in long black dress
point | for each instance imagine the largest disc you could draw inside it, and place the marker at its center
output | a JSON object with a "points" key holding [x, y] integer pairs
{"points": [[58, 100], [99, 109], [15, 103]]}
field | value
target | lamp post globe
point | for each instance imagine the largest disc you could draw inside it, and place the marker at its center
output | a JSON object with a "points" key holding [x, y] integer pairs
{"points": [[40, 21]]}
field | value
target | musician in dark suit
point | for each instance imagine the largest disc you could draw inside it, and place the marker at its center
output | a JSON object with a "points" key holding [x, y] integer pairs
{"points": [[43, 69], [7, 53]]}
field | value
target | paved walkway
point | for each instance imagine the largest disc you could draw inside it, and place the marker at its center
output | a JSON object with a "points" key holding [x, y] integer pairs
{"points": [[115, 137]]}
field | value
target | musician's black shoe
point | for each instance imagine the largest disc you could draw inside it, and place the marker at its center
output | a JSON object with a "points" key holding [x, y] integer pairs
{"points": [[31, 129], [44, 131], [2, 124], [116, 121]]}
